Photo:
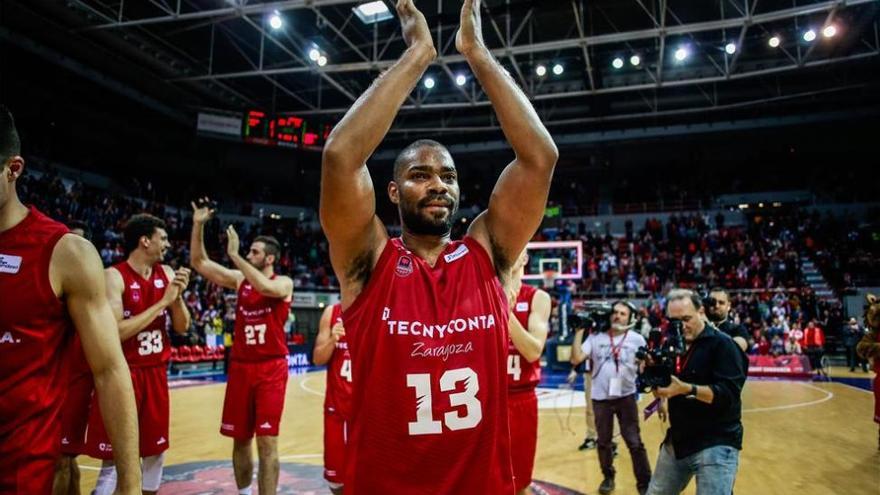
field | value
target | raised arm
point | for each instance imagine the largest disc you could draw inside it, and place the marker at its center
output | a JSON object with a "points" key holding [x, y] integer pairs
{"points": [[516, 206], [530, 341], [348, 205], [76, 263], [328, 335], [578, 355], [280, 287], [214, 272]]}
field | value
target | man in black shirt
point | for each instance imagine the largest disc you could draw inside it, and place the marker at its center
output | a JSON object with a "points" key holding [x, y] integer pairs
{"points": [[705, 408], [718, 311]]}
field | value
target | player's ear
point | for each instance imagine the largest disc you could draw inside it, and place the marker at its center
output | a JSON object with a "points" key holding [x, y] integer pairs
{"points": [[393, 192]]}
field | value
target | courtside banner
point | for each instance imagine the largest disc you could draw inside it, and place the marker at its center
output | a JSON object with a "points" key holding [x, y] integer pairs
{"points": [[787, 366]]}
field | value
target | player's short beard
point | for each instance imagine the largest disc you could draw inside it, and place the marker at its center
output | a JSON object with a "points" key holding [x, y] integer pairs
{"points": [[418, 224]]}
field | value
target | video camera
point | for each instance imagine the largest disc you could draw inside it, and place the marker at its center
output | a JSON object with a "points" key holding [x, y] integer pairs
{"points": [[661, 357], [592, 316]]}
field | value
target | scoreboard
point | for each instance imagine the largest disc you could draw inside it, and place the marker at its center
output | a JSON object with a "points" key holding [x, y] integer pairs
{"points": [[262, 128]]}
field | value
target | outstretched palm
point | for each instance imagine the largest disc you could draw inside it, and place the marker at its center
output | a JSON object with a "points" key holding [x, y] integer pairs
{"points": [[413, 24], [470, 33]]}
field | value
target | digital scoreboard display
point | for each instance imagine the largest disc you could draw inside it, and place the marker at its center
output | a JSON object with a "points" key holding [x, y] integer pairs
{"points": [[283, 130]]}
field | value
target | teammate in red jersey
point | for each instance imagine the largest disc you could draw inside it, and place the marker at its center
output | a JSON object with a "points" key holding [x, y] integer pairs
{"points": [[142, 292], [529, 325], [331, 348], [51, 281], [426, 317], [257, 376]]}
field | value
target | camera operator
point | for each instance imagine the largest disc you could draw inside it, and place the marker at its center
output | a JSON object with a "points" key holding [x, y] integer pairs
{"points": [[718, 311], [614, 371], [705, 407]]}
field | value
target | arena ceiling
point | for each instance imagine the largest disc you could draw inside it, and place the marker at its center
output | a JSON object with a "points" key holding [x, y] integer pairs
{"points": [[180, 56]]}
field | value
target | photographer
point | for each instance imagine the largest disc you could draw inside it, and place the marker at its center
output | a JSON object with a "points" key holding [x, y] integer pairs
{"points": [[718, 311], [705, 407], [614, 372]]}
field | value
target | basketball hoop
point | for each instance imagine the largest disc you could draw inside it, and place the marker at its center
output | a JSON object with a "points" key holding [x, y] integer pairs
{"points": [[549, 278]]}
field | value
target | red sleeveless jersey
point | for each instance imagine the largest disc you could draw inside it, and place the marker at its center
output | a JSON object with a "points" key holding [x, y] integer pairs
{"points": [[259, 325], [429, 348], [150, 346], [34, 326], [338, 395], [521, 374]]}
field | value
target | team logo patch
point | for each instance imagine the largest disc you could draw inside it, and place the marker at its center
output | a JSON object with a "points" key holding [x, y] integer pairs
{"points": [[159, 283], [522, 307], [404, 266], [9, 263], [217, 478]]}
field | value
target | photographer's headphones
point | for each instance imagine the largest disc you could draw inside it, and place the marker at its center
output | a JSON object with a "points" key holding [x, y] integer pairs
{"points": [[632, 310]]}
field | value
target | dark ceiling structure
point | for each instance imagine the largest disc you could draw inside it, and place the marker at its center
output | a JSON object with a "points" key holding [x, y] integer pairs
{"points": [[606, 64]]}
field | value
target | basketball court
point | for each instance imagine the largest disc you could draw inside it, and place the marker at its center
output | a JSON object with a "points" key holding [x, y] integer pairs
{"points": [[809, 438]]}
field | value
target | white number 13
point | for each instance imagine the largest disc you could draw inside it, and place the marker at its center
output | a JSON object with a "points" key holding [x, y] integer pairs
{"points": [[425, 423]]}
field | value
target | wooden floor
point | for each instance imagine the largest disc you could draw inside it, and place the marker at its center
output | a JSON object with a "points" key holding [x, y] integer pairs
{"points": [[801, 438]]}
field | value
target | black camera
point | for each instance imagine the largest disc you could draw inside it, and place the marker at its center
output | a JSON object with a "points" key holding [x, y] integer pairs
{"points": [[661, 356], [592, 317]]}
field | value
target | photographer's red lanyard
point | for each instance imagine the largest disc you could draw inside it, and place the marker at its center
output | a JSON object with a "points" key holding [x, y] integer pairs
{"points": [[615, 351], [682, 363]]}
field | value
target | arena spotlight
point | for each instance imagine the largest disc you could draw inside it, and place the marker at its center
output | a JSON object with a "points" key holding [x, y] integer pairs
{"points": [[541, 71], [730, 48], [809, 35], [461, 80], [429, 82], [322, 61], [829, 31], [635, 60], [617, 63], [558, 69], [681, 54], [314, 54], [373, 12], [773, 42], [275, 20]]}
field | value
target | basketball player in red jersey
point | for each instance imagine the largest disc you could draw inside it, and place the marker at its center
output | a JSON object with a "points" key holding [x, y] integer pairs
{"points": [[50, 281], [529, 325], [426, 317], [142, 292], [331, 347], [258, 372]]}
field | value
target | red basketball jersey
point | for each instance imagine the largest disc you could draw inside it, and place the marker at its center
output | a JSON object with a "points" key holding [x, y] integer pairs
{"points": [[34, 326], [521, 374], [150, 346], [429, 349], [259, 325], [338, 397]]}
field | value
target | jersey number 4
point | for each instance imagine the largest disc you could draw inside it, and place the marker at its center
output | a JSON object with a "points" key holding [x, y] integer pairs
{"points": [[513, 367], [255, 334], [151, 342], [345, 371], [425, 423]]}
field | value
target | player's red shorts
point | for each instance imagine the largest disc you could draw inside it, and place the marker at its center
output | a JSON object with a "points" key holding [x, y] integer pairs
{"points": [[153, 409], [28, 454], [75, 413], [877, 397], [254, 398], [523, 415], [335, 441]]}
